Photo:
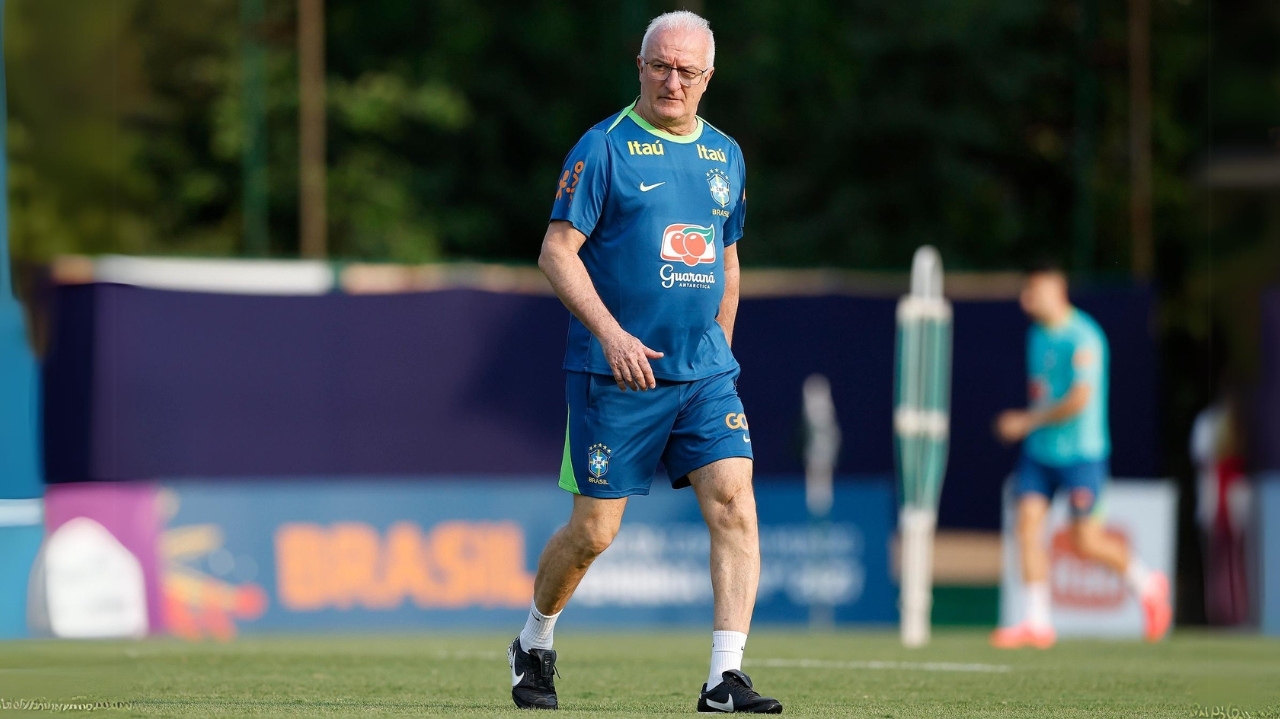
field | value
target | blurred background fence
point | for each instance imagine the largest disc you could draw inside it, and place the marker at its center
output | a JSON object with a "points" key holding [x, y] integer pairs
{"points": [[299, 446]]}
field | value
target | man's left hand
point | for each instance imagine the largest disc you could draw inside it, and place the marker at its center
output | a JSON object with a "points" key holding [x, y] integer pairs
{"points": [[1014, 425]]}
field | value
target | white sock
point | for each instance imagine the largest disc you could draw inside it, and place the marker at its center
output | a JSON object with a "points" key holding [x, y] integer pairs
{"points": [[1038, 604], [538, 629], [1136, 576], [726, 654]]}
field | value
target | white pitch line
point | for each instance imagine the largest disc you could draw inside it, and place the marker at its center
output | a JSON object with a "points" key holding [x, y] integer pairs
{"points": [[909, 666], [801, 663]]}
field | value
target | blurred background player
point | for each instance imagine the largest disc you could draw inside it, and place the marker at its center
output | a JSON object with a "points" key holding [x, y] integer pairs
{"points": [[1224, 506], [641, 250], [1067, 447]]}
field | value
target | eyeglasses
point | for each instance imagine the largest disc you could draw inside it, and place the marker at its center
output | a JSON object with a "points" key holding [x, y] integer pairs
{"points": [[660, 71]]}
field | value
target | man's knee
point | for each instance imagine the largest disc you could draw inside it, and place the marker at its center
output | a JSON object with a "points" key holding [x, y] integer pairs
{"points": [[592, 540], [592, 526], [734, 510], [590, 536], [725, 494]]}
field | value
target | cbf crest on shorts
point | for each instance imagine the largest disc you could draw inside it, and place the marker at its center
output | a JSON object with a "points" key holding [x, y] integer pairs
{"points": [[719, 183], [598, 460]]}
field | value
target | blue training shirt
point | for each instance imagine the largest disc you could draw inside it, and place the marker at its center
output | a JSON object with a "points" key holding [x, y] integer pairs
{"points": [[1058, 358], [658, 210]]}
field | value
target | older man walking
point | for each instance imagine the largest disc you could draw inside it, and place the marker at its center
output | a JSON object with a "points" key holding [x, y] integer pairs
{"points": [[641, 250]]}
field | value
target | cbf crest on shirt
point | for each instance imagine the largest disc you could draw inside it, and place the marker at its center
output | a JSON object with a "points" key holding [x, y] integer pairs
{"points": [[658, 210]]}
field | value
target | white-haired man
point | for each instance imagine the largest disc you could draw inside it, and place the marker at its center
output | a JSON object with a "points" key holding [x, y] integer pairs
{"points": [[641, 250]]}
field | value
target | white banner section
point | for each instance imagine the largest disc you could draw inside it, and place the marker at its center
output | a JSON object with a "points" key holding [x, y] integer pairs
{"points": [[1089, 600]]}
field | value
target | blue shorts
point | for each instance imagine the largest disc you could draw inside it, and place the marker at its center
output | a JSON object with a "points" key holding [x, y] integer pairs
{"points": [[615, 439], [1084, 481]]}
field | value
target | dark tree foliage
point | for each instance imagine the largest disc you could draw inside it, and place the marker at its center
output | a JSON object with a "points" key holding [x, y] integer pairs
{"points": [[869, 127]]}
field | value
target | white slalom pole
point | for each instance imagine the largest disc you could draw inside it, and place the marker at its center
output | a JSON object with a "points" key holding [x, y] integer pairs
{"points": [[916, 525], [822, 447], [921, 426]]}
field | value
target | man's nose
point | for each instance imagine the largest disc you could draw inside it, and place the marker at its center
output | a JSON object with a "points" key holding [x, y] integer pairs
{"points": [[673, 81]]}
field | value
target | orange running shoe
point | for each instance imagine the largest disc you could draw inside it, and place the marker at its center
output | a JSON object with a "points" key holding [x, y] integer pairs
{"points": [[1155, 606], [1021, 635]]}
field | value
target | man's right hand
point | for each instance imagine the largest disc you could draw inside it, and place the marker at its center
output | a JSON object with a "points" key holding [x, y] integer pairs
{"points": [[629, 360]]}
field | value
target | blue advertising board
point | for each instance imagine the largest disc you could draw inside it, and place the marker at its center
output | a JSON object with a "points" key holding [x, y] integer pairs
{"points": [[21, 532], [19, 373], [1268, 523], [280, 555]]}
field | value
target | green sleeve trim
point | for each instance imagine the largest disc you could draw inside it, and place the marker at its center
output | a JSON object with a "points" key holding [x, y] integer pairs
{"points": [[625, 111], [568, 482]]}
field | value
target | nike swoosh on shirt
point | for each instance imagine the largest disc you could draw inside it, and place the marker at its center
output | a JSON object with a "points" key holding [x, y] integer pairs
{"points": [[746, 439], [646, 188], [722, 706]]}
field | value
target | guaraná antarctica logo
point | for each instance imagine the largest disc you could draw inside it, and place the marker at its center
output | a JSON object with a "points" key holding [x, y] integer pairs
{"points": [[691, 244]]}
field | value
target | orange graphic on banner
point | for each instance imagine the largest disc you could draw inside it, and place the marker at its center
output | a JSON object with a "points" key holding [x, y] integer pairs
{"points": [[348, 565], [1081, 583], [196, 604]]}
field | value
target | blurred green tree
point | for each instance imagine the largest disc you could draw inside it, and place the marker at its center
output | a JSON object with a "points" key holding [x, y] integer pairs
{"points": [[869, 128]]}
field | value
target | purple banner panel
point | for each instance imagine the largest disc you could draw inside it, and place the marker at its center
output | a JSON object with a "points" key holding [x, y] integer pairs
{"points": [[154, 384]]}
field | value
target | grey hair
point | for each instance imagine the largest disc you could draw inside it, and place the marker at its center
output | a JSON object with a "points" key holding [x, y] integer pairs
{"points": [[681, 21]]}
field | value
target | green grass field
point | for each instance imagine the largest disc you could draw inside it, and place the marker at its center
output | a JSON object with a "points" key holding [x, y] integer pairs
{"points": [[842, 674]]}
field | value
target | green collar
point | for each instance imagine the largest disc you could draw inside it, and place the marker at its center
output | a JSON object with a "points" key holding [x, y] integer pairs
{"points": [[644, 124], [1061, 326]]}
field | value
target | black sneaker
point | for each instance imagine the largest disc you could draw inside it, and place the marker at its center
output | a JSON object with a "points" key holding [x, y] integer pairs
{"points": [[533, 683], [735, 694]]}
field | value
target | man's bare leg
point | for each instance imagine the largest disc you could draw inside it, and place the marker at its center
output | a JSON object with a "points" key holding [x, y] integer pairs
{"points": [[569, 553], [571, 550], [1150, 587], [1032, 511], [1036, 628], [592, 526], [729, 507], [1095, 544]]}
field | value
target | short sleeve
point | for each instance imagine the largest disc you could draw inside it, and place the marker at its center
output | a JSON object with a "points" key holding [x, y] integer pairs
{"points": [[583, 183], [738, 218], [1086, 359]]}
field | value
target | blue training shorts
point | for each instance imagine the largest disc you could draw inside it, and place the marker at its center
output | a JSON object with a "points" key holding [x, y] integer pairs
{"points": [[1083, 481], [615, 439]]}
